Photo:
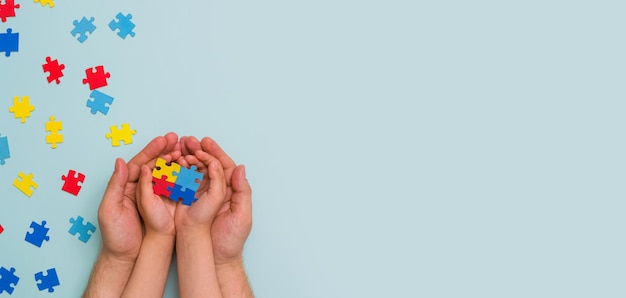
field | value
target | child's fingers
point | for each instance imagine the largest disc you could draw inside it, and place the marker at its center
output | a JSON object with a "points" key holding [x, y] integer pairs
{"points": [[145, 183]]}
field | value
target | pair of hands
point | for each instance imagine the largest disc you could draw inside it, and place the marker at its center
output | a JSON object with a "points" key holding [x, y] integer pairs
{"points": [[223, 207]]}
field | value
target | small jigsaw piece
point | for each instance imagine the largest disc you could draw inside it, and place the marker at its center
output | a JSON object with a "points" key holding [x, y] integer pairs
{"points": [[124, 25], [53, 127], [9, 42], [54, 70], [8, 280], [73, 182], [82, 27], [25, 183], [84, 229], [21, 107], [48, 281], [125, 134], [100, 102], [38, 235]]}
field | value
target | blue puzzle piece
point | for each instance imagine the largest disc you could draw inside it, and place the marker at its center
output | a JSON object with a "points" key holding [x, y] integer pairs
{"points": [[81, 28], [99, 103], [39, 234], [186, 178], [125, 25], [9, 42], [8, 280], [48, 281], [188, 195], [4, 150], [83, 229]]}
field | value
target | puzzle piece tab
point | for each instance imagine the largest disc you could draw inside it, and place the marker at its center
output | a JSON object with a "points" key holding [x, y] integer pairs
{"points": [[38, 235], [45, 2], [9, 42], [82, 27], [96, 77], [125, 25], [125, 134], [25, 183], [21, 107], [53, 127], [81, 228], [4, 150], [48, 281], [73, 182], [100, 102], [54, 70], [7, 9], [8, 280]]}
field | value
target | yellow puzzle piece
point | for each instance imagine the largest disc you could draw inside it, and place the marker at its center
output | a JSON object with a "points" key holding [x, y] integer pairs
{"points": [[162, 169], [121, 135], [54, 127], [45, 2], [25, 183], [21, 108]]}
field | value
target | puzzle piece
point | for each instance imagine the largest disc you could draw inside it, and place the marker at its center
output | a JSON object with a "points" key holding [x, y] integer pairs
{"points": [[9, 42], [187, 196], [45, 2], [125, 25], [100, 102], [83, 229], [163, 169], [8, 280], [39, 234], [82, 28], [1, 229], [54, 70], [48, 281], [25, 183], [73, 182], [4, 150], [54, 127], [21, 107], [121, 135], [96, 78], [161, 187], [7, 10], [186, 178]]}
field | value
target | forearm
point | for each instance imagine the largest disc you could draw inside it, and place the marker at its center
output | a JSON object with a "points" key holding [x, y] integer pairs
{"points": [[233, 280], [196, 266], [150, 272], [108, 277]]}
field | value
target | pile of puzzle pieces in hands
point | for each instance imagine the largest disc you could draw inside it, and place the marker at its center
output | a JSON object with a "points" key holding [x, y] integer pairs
{"points": [[175, 181]]}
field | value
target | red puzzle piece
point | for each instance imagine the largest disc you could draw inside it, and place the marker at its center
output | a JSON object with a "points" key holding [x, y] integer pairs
{"points": [[96, 78], [7, 10], [162, 187], [1, 229], [73, 182], [54, 69]]}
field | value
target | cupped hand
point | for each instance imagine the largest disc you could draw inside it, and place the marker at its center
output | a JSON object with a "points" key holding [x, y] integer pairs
{"points": [[157, 212]]}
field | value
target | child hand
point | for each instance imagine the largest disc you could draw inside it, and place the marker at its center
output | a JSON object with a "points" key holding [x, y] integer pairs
{"points": [[157, 212]]}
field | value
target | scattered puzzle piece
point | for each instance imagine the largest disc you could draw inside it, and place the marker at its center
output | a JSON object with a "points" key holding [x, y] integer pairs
{"points": [[25, 183], [73, 182], [54, 69], [7, 10], [125, 25], [9, 42], [121, 135], [163, 169], [54, 136], [187, 196], [45, 2], [21, 107], [96, 77], [4, 150], [100, 102], [82, 28], [48, 281], [8, 280], [1, 229], [161, 187], [39, 234], [186, 178], [83, 229]]}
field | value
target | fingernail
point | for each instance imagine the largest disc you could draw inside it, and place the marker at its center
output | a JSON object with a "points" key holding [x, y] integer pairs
{"points": [[214, 165]]}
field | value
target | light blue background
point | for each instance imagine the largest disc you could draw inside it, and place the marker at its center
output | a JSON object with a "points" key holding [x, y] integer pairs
{"points": [[395, 148]]}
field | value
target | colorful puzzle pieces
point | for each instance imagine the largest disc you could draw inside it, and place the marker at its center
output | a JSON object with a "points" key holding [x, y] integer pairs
{"points": [[4, 150], [82, 27], [39, 234], [176, 182], [100, 102], [45, 2], [7, 9], [25, 183], [48, 281], [9, 42], [21, 107], [8, 280], [124, 25], [96, 77], [81, 228], [54, 69], [125, 134], [73, 182], [53, 127]]}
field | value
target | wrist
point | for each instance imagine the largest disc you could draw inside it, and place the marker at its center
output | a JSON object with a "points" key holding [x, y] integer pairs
{"points": [[118, 258]]}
